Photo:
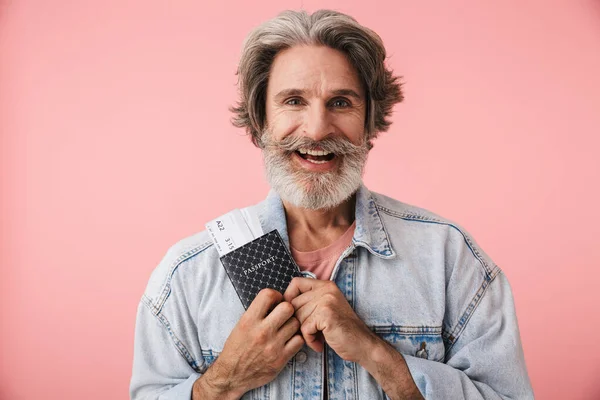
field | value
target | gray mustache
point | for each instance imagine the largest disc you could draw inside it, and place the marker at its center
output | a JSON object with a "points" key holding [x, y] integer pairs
{"points": [[338, 145]]}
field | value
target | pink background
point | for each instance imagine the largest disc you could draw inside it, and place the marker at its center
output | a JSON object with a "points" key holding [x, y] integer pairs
{"points": [[116, 143]]}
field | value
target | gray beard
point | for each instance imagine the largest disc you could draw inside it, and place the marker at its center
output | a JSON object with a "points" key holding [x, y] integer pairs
{"points": [[314, 190]]}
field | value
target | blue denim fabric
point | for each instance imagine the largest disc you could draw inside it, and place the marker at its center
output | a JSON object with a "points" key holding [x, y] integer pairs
{"points": [[416, 279]]}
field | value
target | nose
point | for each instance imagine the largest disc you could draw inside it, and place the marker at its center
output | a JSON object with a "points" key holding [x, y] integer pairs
{"points": [[317, 124]]}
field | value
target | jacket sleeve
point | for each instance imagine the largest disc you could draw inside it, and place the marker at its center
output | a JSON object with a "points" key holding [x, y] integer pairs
{"points": [[486, 359], [162, 366]]}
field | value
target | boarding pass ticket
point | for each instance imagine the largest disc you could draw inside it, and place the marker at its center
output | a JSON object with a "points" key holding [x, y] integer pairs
{"points": [[234, 229]]}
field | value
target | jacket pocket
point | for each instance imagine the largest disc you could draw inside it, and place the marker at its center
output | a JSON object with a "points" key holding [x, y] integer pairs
{"points": [[417, 341]]}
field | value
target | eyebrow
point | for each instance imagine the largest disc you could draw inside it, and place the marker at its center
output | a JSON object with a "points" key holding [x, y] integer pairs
{"points": [[300, 92]]}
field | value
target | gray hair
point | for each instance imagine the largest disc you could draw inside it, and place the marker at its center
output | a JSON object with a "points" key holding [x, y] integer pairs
{"points": [[363, 48]]}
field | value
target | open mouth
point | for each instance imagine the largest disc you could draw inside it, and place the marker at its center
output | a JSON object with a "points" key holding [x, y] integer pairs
{"points": [[315, 156]]}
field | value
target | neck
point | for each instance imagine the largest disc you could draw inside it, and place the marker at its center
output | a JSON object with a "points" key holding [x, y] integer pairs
{"points": [[306, 220]]}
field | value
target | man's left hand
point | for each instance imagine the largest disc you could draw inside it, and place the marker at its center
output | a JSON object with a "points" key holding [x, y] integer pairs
{"points": [[325, 315]]}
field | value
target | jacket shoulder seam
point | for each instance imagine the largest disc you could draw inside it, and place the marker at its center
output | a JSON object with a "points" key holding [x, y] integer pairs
{"points": [[165, 291], [451, 336], [488, 269]]}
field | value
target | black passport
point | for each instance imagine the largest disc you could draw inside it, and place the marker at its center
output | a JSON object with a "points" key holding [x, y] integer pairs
{"points": [[262, 263]]}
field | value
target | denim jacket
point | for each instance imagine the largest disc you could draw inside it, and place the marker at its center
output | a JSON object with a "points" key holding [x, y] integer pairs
{"points": [[417, 280]]}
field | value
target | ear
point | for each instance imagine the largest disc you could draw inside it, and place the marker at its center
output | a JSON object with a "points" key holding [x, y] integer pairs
{"points": [[368, 141]]}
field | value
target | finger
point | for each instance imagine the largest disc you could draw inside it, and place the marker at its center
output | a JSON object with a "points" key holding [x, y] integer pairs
{"points": [[264, 302], [298, 286], [293, 346], [312, 334], [289, 329], [280, 314], [305, 311], [304, 298]]}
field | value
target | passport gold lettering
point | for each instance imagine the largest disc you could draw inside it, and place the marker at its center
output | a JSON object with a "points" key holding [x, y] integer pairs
{"points": [[259, 265]]}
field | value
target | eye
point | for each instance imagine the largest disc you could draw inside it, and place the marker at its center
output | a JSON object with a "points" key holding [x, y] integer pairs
{"points": [[293, 102], [340, 103]]}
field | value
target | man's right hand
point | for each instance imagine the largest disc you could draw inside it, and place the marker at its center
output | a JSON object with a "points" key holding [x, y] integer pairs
{"points": [[256, 351]]}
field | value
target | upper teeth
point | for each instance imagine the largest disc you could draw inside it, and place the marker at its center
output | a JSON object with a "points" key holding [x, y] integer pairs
{"points": [[314, 152]]}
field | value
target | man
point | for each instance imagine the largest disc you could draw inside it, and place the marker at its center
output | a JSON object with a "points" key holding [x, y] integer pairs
{"points": [[406, 305]]}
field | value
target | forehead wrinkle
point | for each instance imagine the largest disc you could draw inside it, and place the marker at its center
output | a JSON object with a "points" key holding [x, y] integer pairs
{"points": [[316, 79], [324, 86], [321, 88]]}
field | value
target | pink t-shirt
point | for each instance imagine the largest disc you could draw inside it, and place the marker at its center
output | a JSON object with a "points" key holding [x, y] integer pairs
{"points": [[321, 261]]}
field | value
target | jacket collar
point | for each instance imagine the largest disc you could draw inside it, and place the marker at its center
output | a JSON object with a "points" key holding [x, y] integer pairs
{"points": [[370, 232]]}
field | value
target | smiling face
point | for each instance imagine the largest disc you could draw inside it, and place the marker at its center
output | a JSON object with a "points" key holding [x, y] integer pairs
{"points": [[314, 144]]}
